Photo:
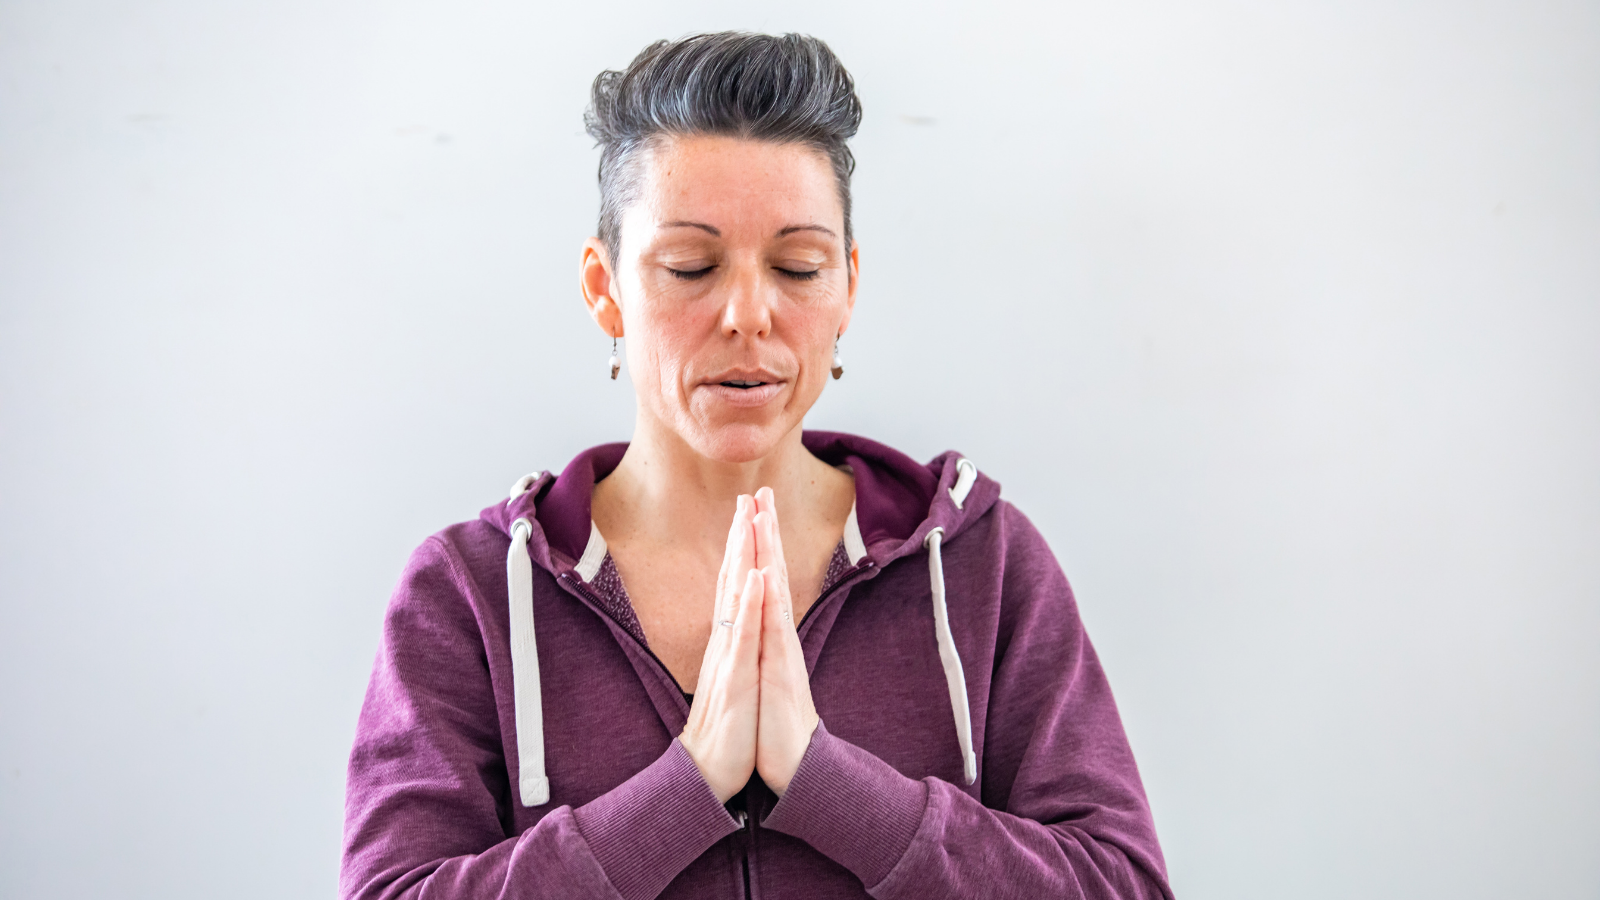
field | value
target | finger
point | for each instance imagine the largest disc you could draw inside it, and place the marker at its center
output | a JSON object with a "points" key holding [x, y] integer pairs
{"points": [[747, 627], [745, 549], [771, 556], [773, 614], [766, 500], [726, 603], [736, 648], [769, 549], [772, 539], [735, 560], [729, 582], [713, 660], [783, 661], [776, 617], [758, 525]]}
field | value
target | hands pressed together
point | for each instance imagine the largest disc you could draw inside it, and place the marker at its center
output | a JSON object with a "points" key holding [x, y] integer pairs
{"points": [[752, 707]]}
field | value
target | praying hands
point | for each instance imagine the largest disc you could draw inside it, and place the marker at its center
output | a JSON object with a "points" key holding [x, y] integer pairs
{"points": [[752, 707]]}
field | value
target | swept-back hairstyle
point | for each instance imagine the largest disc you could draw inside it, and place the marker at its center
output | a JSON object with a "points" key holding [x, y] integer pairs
{"points": [[785, 89]]}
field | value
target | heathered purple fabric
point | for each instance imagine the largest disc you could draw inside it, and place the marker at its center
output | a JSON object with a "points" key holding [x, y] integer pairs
{"points": [[876, 807], [612, 596]]}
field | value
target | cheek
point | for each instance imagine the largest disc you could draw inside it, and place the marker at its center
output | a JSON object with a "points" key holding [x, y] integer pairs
{"points": [[814, 328], [669, 341]]}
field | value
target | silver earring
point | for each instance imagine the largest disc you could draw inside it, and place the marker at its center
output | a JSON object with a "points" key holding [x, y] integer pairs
{"points": [[616, 362], [838, 361]]}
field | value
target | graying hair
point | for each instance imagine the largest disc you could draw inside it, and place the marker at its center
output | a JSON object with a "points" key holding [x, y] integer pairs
{"points": [[783, 89]]}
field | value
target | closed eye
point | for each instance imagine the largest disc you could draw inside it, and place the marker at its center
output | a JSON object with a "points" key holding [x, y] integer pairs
{"points": [[799, 275], [689, 274]]}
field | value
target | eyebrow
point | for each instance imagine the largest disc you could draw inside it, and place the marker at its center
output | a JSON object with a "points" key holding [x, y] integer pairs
{"points": [[784, 232], [793, 228], [700, 225]]}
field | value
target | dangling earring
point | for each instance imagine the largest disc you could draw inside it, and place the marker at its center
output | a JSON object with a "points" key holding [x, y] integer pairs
{"points": [[616, 363], [838, 361]]}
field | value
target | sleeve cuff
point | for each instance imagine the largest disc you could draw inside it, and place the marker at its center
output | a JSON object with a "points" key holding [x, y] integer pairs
{"points": [[646, 830], [851, 806]]}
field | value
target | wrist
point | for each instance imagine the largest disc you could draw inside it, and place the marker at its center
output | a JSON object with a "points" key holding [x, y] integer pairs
{"points": [[719, 782], [779, 780]]}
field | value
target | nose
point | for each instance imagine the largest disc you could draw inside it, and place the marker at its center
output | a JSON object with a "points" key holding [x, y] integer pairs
{"points": [[747, 310]]}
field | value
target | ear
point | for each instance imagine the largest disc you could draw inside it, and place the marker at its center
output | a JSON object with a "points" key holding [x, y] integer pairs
{"points": [[598, 286], [855, 281]]}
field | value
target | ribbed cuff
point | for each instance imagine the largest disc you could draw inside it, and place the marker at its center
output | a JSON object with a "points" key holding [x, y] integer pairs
{"points": [[646, 830], [851, 806]]}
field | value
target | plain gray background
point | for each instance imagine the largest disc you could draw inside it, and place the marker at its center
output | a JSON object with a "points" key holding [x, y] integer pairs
{"points": [[1282, 320]]}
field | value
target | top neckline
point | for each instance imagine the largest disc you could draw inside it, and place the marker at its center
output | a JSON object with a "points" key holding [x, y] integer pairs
{"points": [[599, 571]]}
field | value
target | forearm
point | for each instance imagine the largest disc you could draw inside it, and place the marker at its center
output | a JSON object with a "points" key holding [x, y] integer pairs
{"points": [[551, 859], [628, 843], [927, 839]]}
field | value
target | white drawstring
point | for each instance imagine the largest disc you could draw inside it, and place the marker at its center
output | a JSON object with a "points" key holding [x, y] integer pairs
{"points": [[954, 678], [522, 485], [535, 787], [532, 784], [966, 477]]}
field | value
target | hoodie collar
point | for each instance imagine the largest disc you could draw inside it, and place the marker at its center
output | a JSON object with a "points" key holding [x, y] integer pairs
{"points": [[898, 500]]}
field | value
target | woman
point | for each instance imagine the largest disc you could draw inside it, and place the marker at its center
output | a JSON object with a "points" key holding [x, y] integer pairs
{"points": [[892, 693]]}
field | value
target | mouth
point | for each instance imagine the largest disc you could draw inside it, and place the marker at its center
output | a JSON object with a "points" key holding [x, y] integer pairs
{"points": [[744, 379], [749, 389]]}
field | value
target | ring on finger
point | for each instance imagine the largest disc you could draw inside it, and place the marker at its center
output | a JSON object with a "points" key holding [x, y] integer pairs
{"points": [[725, 624]]}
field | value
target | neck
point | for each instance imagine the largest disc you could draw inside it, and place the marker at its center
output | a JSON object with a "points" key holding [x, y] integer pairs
{"points": [[668, 493]]}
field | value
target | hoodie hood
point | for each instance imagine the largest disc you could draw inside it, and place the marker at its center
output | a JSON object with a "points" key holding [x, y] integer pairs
{"points": [[901, 508]]}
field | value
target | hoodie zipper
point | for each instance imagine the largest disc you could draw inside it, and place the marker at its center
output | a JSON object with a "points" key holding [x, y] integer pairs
{"points": [[850, 577], [747, 824], [577, 587]]}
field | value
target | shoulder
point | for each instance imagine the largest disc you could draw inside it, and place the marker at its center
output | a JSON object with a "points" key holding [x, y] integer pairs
{"points": [[1006, 553], [462, 552], [1010, 538], [1009, 522], [449, 580]]}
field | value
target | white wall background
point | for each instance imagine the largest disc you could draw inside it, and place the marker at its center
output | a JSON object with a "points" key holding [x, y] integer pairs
{"points": [[1281, 319]]}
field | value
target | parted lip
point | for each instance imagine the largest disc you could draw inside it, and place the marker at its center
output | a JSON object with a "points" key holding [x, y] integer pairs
{"points": [[746, 376]]}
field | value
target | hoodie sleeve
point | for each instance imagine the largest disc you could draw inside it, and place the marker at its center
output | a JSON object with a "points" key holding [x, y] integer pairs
{"points": [[1063, 812], [428, 798]]}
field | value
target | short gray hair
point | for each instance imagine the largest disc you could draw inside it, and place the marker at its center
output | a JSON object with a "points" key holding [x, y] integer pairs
{"points": [[784, 89]]}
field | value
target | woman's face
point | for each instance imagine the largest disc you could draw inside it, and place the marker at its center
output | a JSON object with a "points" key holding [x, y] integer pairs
{"points": [[731, 286]]}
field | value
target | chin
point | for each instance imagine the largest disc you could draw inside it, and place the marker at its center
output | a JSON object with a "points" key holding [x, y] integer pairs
{"points": [[739, 442]]}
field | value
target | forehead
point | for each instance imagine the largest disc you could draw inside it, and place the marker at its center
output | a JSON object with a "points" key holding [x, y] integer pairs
{"points": [[731, 182]]}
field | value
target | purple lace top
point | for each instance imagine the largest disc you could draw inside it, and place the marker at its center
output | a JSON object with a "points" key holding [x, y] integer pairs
{"points": [[613, 597]]}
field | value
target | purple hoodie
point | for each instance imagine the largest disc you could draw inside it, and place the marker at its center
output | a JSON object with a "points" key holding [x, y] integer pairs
{"points": [[880, 804]]}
